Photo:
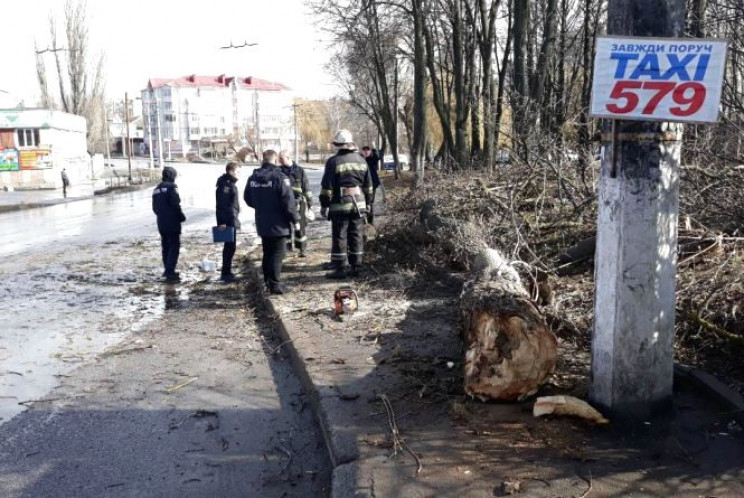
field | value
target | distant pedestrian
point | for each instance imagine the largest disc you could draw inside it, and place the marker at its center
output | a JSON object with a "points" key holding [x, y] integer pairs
{"points": [[346, 197], [373, 161], [228, 211], [269, 193], [65, 182], [166, 204], [302, 194]]}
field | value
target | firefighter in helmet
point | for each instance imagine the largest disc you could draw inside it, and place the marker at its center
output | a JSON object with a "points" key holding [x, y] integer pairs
{"points": [[345, 198]]}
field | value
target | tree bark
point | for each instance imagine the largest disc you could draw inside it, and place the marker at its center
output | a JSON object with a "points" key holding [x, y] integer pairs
{"points": [[520, 30], [487, 31], [419, 84], [502, 83], [458, 68]]}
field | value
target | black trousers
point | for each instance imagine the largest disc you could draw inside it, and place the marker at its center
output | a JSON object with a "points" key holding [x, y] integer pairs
{"points": [[371, 214], [347, 244], [274, 249], [170, 244], [228, 251], [300, 236]]}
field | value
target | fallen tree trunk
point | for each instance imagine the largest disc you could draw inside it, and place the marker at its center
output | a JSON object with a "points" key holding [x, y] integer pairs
{"points": [[510, 351]]}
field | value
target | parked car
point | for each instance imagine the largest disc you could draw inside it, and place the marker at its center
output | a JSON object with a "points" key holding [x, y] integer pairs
{"points": [[389, 163]]}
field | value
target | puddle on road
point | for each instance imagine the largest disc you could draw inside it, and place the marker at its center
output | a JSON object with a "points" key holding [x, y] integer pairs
{"points": [[60, 309]]}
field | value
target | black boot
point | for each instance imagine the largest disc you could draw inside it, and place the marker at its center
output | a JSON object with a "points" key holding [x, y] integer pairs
{"points": [[338, 273], [278, 289]]}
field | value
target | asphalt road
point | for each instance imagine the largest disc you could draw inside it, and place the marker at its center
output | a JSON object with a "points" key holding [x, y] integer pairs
{"points": [[131, 387], [116, 216]]}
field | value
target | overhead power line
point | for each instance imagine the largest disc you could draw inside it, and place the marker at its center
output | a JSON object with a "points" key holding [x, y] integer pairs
{"points": [[245, 44]]}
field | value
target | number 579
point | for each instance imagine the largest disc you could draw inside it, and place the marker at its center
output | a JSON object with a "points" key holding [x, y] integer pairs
{"points": [[689, 96]]}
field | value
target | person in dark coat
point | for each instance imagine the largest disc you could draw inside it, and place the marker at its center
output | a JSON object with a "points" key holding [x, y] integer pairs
{"points": [[269, 193], [345, 197], [302, 194], [65, 182], [373, 162], [228, 212], [166, 204]]}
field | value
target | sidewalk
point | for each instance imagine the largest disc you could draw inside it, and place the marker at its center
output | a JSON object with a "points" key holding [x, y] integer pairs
{"points": [[25, 199], [404, 343], [29, 199]]}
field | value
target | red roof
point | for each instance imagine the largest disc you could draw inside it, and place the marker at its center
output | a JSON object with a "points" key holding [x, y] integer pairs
{"points": [[193, 80]]}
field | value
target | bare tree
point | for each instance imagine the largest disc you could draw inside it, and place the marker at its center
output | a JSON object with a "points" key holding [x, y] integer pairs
{"points": [[79, 80]]}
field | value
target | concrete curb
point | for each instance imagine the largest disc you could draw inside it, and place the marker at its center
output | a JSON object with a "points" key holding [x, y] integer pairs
{"points": [[710, 386], [342, 445]]}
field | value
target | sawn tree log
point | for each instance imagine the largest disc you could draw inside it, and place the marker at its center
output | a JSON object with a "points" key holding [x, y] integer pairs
{"points": [[510, 351]]}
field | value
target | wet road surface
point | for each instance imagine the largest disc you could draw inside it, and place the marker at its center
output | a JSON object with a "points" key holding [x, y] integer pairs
{"points": [[80, 281]]}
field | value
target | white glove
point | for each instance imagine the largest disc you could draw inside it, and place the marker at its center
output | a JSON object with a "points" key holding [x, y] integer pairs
{"points": [[297, 227]]}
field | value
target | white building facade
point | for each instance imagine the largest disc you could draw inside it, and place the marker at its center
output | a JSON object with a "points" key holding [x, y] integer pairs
{"points": [[189, 113], [36, 144]]}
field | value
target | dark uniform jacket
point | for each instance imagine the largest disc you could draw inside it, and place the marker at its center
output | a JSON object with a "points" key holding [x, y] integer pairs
{"points": [[300, 182], [228, 201], [373, 161], [347, 169], [269, 192], [166, 203]]}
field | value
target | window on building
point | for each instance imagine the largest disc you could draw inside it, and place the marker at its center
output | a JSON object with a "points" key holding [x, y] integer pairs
{"points": [[28, 137], [222, 131], [171, 118], [7, 139], [167, 106], [194, 118], [194, 131], [165, 92]]}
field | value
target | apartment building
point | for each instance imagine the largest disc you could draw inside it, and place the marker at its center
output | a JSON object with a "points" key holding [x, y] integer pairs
{"points": [[191, 112]]}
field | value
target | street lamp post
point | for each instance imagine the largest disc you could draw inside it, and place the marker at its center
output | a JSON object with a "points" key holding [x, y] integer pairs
{"points": [[160, 137], [129, 140]]}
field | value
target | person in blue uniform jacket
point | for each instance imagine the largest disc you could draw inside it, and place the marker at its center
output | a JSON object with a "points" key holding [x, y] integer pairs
{"points": [[166, 204], [228, 215], [269, 192]]}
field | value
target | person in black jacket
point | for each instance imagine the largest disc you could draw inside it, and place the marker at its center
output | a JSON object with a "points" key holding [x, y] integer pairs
{"points": [[166, 204], [228, 212], [269, 193], [65, 182], [373, 162], [346, 197], [302, 194]]}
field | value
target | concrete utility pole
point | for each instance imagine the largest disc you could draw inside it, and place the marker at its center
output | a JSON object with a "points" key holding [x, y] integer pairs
{"points": [[258, 125], [108, 136], [149, 129], [296, 130], [129, 140], [160, 136], [636, 258]]}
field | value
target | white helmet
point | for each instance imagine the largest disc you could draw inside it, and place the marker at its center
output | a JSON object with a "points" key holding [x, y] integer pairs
{"points": [[343, 137]]}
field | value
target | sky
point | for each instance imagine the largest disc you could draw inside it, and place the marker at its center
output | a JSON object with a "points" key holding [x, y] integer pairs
{"points": [[144, 39]]}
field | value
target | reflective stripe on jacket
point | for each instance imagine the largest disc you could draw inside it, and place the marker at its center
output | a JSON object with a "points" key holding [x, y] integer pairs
{"points": [[346, 169]]}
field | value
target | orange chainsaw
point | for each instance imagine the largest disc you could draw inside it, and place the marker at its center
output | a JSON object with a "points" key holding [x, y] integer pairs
{"points": [[345, 301]]}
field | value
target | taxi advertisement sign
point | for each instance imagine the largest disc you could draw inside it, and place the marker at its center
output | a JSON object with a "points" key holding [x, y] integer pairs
{"points": [[658, 79]]}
